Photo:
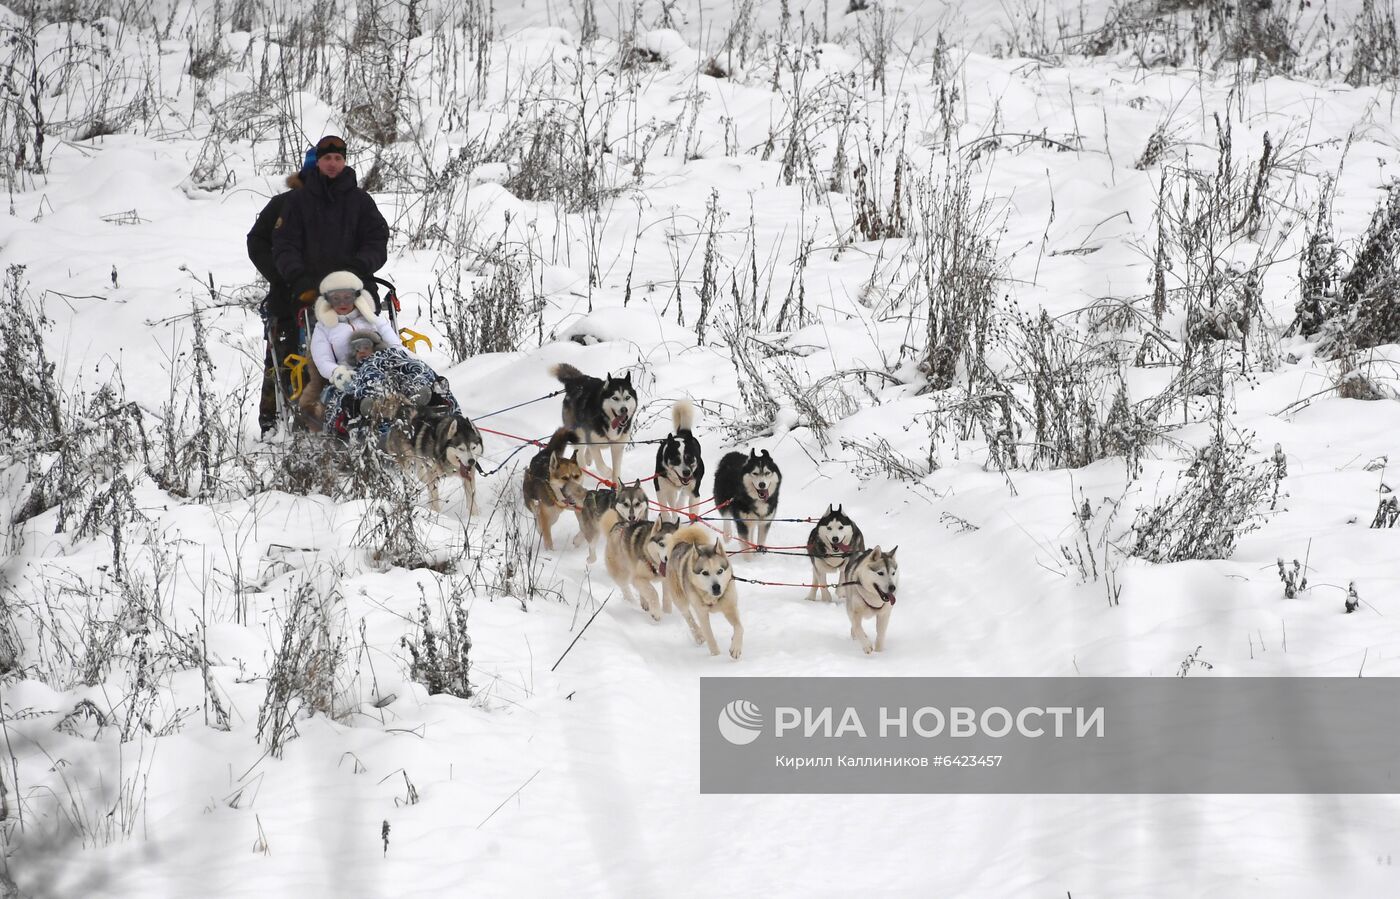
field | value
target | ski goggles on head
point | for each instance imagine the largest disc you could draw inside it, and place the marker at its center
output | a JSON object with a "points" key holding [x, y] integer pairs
{"points": [[362, 344], [341, 296]]}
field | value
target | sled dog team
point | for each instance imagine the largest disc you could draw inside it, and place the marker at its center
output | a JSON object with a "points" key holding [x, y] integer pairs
{"points": [[690, 561]]}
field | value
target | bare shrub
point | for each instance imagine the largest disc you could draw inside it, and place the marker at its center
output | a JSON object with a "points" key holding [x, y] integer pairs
{"points": [[439, 654], [1375, 41], [1216, 502], [302, 678], [1364, 310], [486, 313], [956, 254]]}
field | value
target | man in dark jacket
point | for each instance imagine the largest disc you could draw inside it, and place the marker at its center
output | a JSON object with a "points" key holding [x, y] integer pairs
{"points": [[329, 225], [279, 308]]}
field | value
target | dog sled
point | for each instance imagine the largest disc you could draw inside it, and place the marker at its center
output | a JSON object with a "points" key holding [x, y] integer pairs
{"points": [[293, 367]]}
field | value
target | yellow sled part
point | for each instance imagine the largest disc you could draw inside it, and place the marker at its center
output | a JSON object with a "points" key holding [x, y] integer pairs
{"points": [[296, 364], [411, 338]]}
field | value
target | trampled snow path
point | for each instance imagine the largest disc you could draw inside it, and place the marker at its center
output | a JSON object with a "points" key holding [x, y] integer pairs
{"points": [[586, 779]]}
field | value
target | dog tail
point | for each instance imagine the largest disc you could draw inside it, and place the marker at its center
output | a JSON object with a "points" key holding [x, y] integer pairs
{"points": [[682, 416], [560, 439], [566, 373], [694, 534], [608, 521]]}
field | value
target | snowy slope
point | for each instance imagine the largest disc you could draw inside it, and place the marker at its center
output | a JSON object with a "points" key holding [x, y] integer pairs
{"points": [[584, 777]]}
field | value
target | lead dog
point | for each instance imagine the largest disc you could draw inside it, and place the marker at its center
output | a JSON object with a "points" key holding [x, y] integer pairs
{"points": [[552, 483], [699, 582], [636, 556], [868, 586]]}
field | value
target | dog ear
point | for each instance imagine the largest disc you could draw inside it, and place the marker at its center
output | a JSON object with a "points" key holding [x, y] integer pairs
{"points": [[719, 546], [892, 552], [637, 483], [608, 376], [828, 510], [452, 429], [838, 509]]}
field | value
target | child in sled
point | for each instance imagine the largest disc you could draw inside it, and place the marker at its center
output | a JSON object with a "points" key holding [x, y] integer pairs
{"points": [[360, 357]]}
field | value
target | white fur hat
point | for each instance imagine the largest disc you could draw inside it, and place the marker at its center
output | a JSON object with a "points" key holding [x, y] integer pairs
{"points": [[343, 280]]}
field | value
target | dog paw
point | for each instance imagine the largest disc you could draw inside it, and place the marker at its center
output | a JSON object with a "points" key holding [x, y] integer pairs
{"points": [[655, 614], [734, 653], [868, 648]]}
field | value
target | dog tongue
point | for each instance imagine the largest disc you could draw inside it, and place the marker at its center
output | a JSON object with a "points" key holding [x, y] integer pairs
{"points": [[619, 423], [889, 597], [843, 547], [465, 471]]}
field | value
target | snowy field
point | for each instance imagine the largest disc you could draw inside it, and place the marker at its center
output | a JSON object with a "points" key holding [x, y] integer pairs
{"points": [[1003, 296]]}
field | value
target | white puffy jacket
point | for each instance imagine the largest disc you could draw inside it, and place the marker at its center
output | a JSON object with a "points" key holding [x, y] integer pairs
{"points": [[330, 341]]}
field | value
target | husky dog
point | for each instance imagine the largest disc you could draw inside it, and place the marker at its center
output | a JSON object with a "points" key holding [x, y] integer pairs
{"points": [[679, 468], [437, 443], [700, 581], [746, 490], [630, 502], [636, 556], [601, 411], [552, 483], [867, 584], [832, 541]]}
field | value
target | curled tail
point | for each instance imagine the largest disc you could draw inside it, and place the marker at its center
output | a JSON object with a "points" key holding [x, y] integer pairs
{"points": [[560, 439], [682, 416], [566, 373], [608, 521]]}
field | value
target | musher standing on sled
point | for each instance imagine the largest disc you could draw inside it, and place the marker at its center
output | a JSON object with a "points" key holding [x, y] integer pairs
{"points": [[329, 225]]}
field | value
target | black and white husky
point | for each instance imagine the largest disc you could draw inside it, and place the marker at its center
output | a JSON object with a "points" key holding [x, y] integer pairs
{"points": [[746, 492], [679, 468], [835, 538], [600, 411]]}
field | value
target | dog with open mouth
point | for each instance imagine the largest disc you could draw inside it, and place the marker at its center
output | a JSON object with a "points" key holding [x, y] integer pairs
{"points": [[437, 443], [835, 539], [746, 493], [679, 466], [636, 556], [630, 501], [553, 483], [601, 411], [868, 583]]}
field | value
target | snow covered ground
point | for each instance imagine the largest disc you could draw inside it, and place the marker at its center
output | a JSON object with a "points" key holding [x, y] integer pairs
{"points": [[579, 773]]}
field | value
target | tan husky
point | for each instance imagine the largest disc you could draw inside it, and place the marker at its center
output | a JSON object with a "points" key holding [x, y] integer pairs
{"points": [[636, 556], [868, 583], [553, 483], [700, 581]]}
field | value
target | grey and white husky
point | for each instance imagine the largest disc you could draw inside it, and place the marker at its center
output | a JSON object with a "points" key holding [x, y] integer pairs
{"points": [[601, 411], [437, 444], [636, 556], [835, 539], [868, 583], [631, 504]]}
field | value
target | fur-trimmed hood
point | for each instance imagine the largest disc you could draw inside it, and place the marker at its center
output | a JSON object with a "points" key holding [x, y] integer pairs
{"points": [[364, 303]]}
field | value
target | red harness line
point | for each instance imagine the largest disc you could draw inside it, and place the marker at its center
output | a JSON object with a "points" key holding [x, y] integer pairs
{"points": [[748, 546]]}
